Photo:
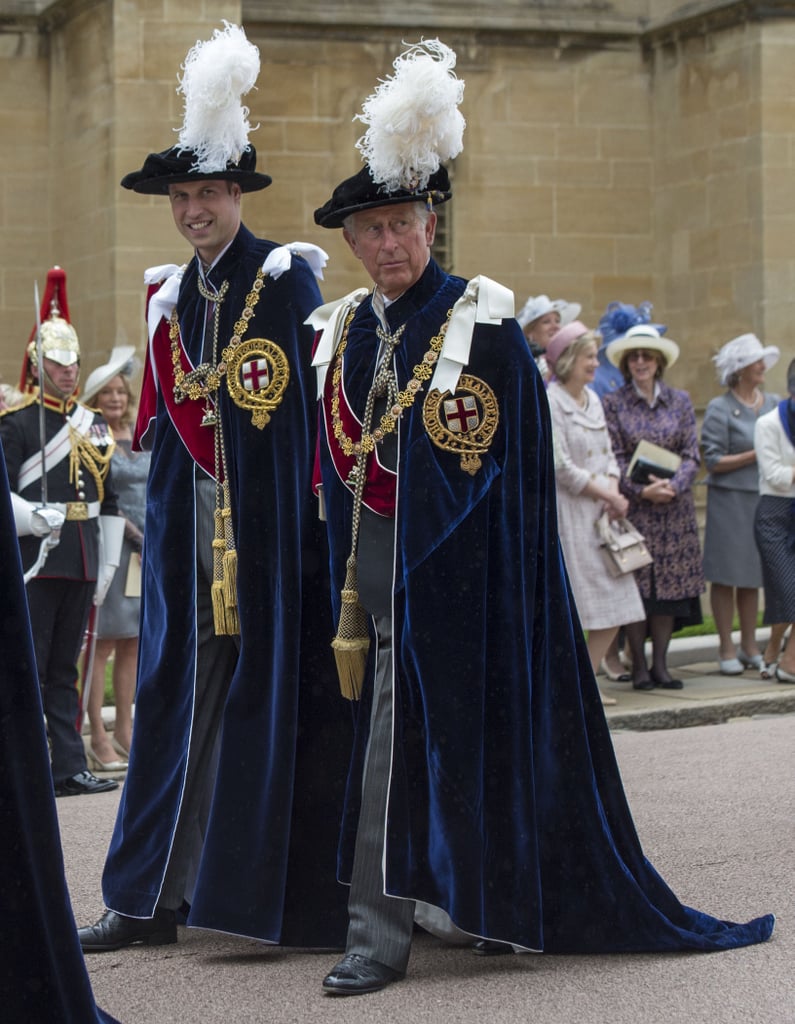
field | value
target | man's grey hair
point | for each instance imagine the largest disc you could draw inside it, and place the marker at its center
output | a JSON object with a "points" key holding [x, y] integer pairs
{"points": [[421, 207]]}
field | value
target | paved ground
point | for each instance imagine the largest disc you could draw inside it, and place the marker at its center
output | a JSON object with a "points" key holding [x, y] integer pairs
{"points": [[707, 697], [713, 805]]}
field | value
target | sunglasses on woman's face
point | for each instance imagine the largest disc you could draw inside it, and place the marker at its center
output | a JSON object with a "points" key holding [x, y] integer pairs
{"points": [[642, 353]]}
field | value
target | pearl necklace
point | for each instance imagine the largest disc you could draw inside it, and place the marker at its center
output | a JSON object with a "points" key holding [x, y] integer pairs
{"points": [[757, 399]]}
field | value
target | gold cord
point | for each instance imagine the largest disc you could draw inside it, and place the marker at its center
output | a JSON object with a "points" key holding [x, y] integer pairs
{"points": [[405, 399], [83, 452]]}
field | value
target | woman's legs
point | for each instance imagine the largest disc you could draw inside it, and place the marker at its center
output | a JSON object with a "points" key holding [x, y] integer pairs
{"points": [[598, 642], [636, 639], [125, 666], [100, 741], [612, 658], [773, 646], [661, 628], [787, 659], [747, 611], [721, 599]]}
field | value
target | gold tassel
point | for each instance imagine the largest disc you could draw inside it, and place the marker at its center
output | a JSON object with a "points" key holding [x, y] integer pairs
{"points": [[219, 609], [224, 587], [229, 566], [352, 641]]}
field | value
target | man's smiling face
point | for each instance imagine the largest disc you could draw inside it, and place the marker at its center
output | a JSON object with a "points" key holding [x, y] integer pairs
{"points": [[207, 213]]}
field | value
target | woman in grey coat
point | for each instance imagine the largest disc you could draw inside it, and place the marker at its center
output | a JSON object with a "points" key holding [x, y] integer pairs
{"points": [[731, 560]]}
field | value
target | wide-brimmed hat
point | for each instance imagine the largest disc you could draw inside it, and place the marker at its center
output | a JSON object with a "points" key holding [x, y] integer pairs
{"points": [[213, 140], [567, 311], [120, 362], [642, 336], [178, 165], [560, 342], [414, 126], [620, 316], [361, 192], [535, 307], [740, 352]]}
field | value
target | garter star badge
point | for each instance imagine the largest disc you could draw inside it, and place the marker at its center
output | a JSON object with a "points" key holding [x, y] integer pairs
{"points": [[257, 373], [465, 422]]}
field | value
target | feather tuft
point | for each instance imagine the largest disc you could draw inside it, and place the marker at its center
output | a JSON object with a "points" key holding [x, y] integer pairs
{"points": [[216, 73], [620, 316], [413, 118]]}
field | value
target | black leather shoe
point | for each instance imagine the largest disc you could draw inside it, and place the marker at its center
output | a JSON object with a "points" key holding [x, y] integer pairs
{"points": [[356, 975], [488, 947], [115, 931], [643, 684], [82, 783]]}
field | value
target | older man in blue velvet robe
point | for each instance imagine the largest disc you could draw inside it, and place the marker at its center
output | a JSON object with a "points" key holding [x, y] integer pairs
{"points": [[483, 782]]}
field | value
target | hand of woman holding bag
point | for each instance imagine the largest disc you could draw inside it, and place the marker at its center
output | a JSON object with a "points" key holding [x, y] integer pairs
{"points": [[659, 491], [616, 505]]}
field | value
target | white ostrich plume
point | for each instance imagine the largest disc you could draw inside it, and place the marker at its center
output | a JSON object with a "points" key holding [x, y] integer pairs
{"points": [[413, 117], [216, 73]]}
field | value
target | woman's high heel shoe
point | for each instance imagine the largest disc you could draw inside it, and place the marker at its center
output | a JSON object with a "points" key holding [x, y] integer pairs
{"points": [[119, 748], [614, 677], [749, 660], [105, 766]]}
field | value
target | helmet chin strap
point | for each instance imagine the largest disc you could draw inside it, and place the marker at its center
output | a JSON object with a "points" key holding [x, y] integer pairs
{"points": [[53, 388]]}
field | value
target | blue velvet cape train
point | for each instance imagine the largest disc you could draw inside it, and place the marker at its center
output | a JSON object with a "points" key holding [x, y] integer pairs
{"points": [[506, 807], [43, 975], [268, 861]]}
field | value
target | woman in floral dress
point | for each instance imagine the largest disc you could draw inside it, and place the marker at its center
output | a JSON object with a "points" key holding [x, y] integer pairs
{"points": [[646, 408]]}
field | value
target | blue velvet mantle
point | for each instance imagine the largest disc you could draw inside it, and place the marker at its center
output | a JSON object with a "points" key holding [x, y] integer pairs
{"points": [[268, 862], [43, 975], [506, 807]]}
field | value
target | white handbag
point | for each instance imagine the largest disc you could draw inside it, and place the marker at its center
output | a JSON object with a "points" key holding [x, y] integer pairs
{"points": [[623, 547]]}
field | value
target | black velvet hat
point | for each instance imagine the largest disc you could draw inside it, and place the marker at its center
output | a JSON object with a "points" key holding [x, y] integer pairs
{"points": [[361, 192], [176, 164]]}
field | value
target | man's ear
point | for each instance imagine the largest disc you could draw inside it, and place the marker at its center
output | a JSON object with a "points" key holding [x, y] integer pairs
{"points": [[430, 228], [351, 240]]}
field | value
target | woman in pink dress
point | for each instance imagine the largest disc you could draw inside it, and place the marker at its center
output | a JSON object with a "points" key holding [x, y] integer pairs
{"points": [[587, 476]]}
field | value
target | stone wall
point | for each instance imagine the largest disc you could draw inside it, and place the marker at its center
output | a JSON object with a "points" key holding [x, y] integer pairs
{"points": [[611, 152]]}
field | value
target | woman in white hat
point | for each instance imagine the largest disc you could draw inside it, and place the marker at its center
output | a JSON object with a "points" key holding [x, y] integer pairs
{"points": [[540, 319], [731, 560], [587, 476], [108, 389], [647, 409]]}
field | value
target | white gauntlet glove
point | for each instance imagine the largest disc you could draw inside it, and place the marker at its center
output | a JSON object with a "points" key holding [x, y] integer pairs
{"points": [[33, 521], [111, 536]]}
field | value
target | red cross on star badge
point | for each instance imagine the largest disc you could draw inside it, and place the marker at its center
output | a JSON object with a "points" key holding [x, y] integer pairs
{"points": [[461, 414], [255, 374]]}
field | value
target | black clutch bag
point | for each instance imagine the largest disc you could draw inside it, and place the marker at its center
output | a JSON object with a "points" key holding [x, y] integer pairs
{"points": [[643, 470]]}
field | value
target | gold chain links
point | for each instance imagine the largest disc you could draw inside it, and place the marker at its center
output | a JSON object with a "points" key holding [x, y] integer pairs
{"points": [[405, 399]]}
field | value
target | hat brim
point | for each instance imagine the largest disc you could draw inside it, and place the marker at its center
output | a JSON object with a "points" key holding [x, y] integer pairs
{"points": [[103, 375], [361, 192], [176, 165], [617, 349]]}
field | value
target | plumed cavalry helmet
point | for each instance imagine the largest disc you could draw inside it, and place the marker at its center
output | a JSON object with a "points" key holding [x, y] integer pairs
{"points": [[59, 340]]}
